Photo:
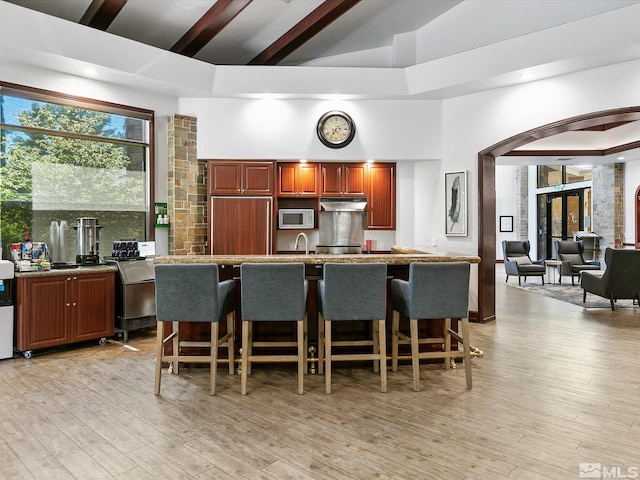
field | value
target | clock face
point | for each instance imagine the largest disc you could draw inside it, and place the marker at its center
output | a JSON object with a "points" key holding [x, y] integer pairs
{"points": [[336, 129]]}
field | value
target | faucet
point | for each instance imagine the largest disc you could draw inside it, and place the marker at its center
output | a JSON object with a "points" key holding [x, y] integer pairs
{"points": [[306, 242]]}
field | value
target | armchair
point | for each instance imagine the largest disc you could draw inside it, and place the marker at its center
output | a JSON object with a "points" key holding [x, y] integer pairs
{"points": [[570, 252], [517, 261], [621, 279]]}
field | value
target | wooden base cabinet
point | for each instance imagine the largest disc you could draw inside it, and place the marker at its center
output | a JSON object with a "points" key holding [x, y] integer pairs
{"points": [[58, 309]]}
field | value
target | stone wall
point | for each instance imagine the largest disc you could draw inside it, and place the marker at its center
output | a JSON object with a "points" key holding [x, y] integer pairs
{"points": [[608, 204], [521, 220], [187, 189]]}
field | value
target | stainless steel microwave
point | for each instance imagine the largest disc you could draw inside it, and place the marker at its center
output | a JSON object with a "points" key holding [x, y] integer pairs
{"points": [[296, 218]]}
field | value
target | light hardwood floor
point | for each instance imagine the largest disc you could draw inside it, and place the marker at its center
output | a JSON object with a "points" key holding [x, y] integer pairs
{"points": [[558, 386]]}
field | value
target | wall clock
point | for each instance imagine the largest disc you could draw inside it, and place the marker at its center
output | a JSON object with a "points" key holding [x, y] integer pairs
{"points": [[336, 129]]}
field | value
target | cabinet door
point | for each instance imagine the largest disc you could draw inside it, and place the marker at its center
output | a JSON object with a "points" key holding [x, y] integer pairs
{"points": [[307, 180], [257, 178], [344, 179], [42, 312], [287, 179], [381, 197], [355, 176], [332, 185], [224, 178], [298, 179], [92, 306], [241, 226]]}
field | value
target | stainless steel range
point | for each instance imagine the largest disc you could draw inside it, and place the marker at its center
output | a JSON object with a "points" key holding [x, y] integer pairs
{"points": [[341, 223]]}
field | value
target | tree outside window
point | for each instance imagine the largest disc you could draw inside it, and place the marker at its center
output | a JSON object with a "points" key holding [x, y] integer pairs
{"points": [[61, 162]]}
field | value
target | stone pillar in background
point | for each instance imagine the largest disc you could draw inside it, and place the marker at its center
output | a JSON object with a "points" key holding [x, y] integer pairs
{"points": [[187, 190], [608, 204], [521, 219]]}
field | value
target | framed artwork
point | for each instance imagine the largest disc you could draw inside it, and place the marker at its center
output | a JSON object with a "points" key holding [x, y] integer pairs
{"points": [[506, 223], [455, 189]]}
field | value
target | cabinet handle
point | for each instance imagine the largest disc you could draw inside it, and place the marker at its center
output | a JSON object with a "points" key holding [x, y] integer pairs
{"points": [[68, 304]]}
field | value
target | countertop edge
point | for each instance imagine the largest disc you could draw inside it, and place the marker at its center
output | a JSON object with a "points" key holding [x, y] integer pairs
{"points": [[315, 259], [67, 271]]}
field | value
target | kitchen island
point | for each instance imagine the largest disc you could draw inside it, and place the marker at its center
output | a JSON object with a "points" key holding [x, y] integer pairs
{"points": [[397, 267]]}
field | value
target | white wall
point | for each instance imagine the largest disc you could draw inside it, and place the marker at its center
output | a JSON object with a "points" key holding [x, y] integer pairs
{"points": [[505, 203], [285, 129], [474, 122]]}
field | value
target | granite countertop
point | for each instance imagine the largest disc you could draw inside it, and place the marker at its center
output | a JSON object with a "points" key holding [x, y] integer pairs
{"points": [[83, 270], [404, 256]]}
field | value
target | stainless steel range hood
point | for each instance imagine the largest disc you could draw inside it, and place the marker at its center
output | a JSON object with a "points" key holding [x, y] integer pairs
{"points": [[343, 204], [341, 225]]}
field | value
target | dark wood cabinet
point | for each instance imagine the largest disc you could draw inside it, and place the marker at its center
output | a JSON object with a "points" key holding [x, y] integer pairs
{"points": [[298, 179], [59, 309], [229, 177], [343, 179], [241, 226], [381, 196]]}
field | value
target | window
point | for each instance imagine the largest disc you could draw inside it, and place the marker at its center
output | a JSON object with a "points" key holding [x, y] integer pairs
{"points": [[551, 175], [64, 158]]}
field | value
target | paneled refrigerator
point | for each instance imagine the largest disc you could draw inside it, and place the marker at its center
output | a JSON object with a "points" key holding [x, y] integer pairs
{"points": [[241, 225]]}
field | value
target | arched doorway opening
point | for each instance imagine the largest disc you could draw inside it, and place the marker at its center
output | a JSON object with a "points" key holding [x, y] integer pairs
{"points": [[487, 191]]}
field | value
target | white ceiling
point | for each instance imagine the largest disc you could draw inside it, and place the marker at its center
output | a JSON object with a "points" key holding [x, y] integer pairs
{"points": [[446, 27]]}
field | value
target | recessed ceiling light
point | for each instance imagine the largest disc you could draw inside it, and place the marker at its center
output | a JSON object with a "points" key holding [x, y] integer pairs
{"points": [[620, 158], [90, 71]]}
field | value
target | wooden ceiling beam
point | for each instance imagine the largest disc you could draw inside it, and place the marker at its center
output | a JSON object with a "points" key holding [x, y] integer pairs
{"points": [[209, 25], [101, 13], [303, 31]]}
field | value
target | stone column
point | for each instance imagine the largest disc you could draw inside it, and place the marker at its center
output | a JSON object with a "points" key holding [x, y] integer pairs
{"points": [[187, 189], [608, 203], [521, 220]]}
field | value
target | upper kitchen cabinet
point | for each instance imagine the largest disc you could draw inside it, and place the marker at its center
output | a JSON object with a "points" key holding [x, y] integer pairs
{"points": [[381, 196], [343, 179], [297, 179], [229, 177]]}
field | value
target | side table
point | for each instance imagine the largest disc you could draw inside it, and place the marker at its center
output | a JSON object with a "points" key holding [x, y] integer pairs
{"points": [[552, 266]]}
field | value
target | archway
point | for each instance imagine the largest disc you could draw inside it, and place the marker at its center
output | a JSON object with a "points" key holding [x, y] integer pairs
{"points": [[487, 190]]}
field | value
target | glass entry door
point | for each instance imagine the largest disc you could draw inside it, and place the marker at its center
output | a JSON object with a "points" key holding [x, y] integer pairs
{"points": [[567, 213]]}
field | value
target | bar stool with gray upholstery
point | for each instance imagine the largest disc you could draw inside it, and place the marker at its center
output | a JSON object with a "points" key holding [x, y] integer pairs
{"points": [[193, 293], [274, 292], [352, 292], [434, 291]]}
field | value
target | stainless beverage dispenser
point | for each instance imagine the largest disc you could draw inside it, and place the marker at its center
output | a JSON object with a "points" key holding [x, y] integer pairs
{"points": [[87, 241]]}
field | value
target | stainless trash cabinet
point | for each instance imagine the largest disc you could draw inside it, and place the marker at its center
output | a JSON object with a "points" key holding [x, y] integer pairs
{"points": [[135, 295]]}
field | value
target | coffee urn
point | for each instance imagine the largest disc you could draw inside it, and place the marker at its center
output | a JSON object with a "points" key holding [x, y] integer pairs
{"points": [[87, 241]]}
